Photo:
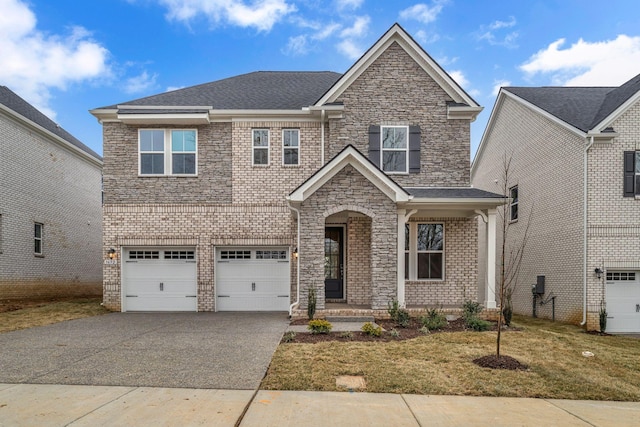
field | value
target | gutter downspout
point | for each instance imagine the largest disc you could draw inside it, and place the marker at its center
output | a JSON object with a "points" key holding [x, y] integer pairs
{"points": [[584, 233], [322, 113], [297, 301]]}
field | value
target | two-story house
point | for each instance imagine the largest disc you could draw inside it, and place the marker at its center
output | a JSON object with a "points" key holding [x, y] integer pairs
{"points": [[574, 181], [244, 193], [50, 207]]}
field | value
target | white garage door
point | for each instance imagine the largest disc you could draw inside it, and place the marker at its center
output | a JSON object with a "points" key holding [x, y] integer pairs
{"points": [[159, 279], [623, 301], [252, 279]]}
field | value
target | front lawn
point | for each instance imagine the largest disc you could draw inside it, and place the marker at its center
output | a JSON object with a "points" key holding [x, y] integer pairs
{"points": [[441, 363]]}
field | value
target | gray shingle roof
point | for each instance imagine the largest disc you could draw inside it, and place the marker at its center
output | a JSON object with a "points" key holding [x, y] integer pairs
{"points": [[12, 101], [260, 90], [581, 107], [451, 193]]}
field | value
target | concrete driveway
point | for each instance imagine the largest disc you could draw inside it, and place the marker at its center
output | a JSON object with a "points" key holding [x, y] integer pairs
{"points": [[192, 350]]}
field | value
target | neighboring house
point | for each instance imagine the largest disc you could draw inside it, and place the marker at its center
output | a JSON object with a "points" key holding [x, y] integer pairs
{"points": [[50, 207], [243, 193], [575, 180]]}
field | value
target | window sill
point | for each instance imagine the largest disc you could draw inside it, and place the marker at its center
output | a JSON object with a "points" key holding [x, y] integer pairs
{"points": [[291, 166], [167, 176], [513, 221], [38, 255], [425, 280], [396, 173]]}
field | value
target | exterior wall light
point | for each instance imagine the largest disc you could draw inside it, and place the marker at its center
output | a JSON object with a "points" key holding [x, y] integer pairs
{"points": [[598, 272], [112, 253], [295, 253]]}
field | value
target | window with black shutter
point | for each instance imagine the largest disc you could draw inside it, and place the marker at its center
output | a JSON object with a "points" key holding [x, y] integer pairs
{"points": [[631, 173], [395, 149]]}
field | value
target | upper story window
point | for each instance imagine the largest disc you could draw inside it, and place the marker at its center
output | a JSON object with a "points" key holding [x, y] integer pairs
{"points": [[395, 149], [394, 153], [164, 150], [37, 238], [513, 205], [291, 146], [260, 151]]}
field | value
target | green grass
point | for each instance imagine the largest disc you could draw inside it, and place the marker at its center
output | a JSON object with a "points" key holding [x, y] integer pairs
{"points": [[442, 364]]}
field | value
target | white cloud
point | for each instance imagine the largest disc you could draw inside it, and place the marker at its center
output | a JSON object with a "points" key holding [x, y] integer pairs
{"points": [[497, 84], [422, 12], [358, 29], [172, 88], [348, 4], [446, 60], [140, 83], [297, 45], [605, 63], [34, 62], [260, 14], [489, 33], [459, 77], [349, 49]]}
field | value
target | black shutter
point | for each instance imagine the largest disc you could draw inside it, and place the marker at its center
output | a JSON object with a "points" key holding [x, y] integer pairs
{"points": [[629, 173], [414, 149], [374, 144]]}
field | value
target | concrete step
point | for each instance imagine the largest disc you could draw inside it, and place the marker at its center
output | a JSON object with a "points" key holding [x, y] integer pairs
{"points": [[355, 319]]}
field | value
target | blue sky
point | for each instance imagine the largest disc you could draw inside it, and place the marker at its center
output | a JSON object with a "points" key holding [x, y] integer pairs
{"points": [[66, 57]]}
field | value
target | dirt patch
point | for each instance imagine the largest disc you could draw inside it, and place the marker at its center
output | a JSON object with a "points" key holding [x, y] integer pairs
{"points": [[502, 362]]}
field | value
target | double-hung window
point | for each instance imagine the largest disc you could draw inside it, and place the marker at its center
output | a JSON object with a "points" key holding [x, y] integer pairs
{"points": [[513, 205], [290, 146], [260, 151], [394, 153], [424, 251], [168, 151], [37, 238]]}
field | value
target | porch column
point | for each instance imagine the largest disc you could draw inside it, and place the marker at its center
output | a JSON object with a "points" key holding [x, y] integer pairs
{"points": [[490, 293], [400, 263]]}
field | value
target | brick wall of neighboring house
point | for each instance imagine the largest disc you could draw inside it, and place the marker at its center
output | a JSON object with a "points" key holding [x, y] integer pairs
{"points": [[349, 191], [395, 90], [40, 181], [201, 226], [273, 182], [614, 220], [461, 267], [123, 185], [547, 166], [358, 283]]}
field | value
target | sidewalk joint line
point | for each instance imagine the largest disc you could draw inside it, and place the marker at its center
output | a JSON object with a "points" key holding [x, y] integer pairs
{"points": [[570, 413]]}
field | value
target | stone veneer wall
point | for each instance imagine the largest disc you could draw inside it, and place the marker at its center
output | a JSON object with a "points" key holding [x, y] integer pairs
{"points": [[201, 226], [395, 90], [348, 190], [461, 267], [358, 284]]}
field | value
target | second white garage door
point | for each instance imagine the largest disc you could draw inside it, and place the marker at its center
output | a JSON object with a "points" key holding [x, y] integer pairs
{"points": [[623, 302], [252, 279]]}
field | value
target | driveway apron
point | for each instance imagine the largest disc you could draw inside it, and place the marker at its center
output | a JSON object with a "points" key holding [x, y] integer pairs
{"points": [[192, 350]]}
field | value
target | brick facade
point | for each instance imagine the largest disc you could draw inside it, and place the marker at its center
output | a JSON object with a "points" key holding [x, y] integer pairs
{"points": [[547, 166], [234, 203], [42, 181]]}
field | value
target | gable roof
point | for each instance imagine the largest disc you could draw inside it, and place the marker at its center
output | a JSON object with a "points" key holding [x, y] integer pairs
{"points": [[349, 156], [22, 109], [581, 107], [397, 34], [260, 90]]}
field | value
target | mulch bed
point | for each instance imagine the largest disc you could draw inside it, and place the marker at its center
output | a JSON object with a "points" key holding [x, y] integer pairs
{"points": [[502, 362]]}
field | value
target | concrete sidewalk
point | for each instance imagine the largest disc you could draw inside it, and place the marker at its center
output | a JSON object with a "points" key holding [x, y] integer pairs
{"points": [[68, 405]]}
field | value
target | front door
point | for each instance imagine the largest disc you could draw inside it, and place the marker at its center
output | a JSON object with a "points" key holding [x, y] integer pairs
{"points": [[333, 247]]}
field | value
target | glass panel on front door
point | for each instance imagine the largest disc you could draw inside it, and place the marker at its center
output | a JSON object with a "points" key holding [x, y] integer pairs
{"points": [[333, 262]]}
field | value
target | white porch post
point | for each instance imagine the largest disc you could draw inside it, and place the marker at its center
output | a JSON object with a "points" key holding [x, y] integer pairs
{"points": [[490, 293], [400, 263]]}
